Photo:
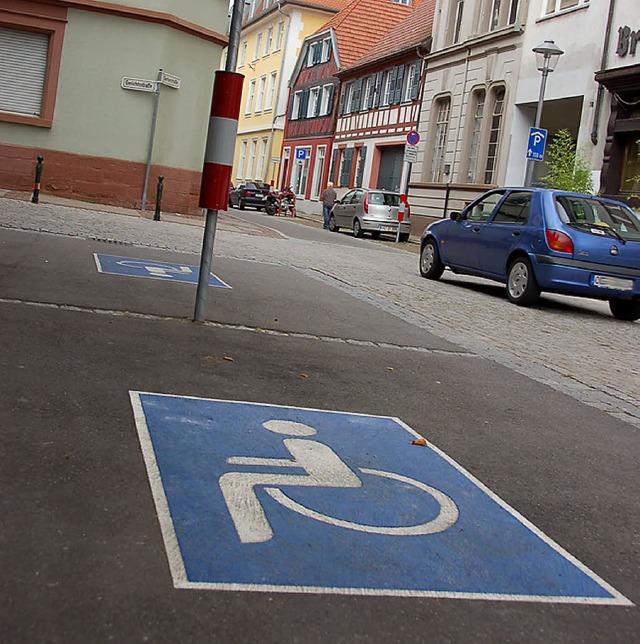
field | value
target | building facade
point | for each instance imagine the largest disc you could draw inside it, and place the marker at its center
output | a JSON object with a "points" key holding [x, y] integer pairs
{"points": [[271, 40], [62, 96]]}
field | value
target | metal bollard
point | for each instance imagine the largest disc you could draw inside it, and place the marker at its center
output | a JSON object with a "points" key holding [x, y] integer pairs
{"points": [[36, 189], [156, 216]]}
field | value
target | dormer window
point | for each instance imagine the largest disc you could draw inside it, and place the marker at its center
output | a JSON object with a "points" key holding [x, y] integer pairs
{"points": [[407, 2]]}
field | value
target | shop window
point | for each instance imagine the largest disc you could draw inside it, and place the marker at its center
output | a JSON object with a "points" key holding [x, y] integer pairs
{"points": [[630, 180]]}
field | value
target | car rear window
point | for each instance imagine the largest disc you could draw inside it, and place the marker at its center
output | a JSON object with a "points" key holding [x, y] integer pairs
{"points": [[384, 199], [596, 216]]}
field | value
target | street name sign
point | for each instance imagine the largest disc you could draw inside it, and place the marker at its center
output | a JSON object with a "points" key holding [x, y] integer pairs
{"points": [[151, 268], [536, 144], [170, 80], [273, 498], [138, 84]]}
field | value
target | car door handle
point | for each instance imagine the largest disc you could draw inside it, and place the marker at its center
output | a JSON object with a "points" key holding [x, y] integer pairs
{"points": [[516, 233], [476, 229]]}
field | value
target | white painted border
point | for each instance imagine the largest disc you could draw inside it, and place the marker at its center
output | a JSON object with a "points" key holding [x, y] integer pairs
{"points": [[178, 571], [151, 277]]}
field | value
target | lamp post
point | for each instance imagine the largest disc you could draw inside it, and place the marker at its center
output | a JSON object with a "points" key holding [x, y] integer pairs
{"points": [[547, 55]]}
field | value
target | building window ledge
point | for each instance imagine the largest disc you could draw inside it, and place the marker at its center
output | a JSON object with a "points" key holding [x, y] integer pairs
{"points": [[564, 12]]}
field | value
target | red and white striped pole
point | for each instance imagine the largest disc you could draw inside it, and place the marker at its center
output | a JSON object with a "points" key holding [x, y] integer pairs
{"points": [[216, 172]]}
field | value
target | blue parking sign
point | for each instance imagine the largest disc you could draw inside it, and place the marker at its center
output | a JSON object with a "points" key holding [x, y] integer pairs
{"points": [[536, 143], [301, 154], [270, 498]]}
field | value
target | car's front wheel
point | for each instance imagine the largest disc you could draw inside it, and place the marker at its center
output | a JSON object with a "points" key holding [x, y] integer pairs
{"points": [[332, 224], [431, 265], [522, 288], [357, 228], [628, 310]]}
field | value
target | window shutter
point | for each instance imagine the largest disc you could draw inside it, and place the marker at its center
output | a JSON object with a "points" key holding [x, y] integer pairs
{"points": [[332, 91], [291, 103], [304, 104], [318, 101], [378, 89], [334, 158], [363, 156], [345, 174], [398, 90], [329, 50], [343, 95], [317, 53], [23, 67], [415, 87], [357, 95]]}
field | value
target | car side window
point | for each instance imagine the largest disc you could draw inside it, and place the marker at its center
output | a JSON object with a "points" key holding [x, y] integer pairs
{"points": [[481, 211], [357, 196], [347, 198], [514, 209]]}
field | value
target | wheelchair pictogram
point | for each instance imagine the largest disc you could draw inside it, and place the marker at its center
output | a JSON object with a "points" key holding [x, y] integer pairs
{"points": [[158, 269], [323, 468]]}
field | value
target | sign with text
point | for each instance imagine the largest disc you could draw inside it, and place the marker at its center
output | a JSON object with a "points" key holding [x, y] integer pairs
{"points": [[138, 84]]}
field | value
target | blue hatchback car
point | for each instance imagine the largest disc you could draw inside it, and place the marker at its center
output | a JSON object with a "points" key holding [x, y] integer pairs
{"points": [[537, 240]]}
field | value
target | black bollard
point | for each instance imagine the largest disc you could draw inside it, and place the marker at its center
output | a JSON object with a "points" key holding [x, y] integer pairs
{"points": [[156, 216], [36, 189]]}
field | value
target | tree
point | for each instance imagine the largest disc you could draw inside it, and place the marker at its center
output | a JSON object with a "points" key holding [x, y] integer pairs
{"points": [[567, 166]]}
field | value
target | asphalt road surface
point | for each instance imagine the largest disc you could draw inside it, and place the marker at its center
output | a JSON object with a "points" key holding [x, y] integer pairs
{"points": [[253, 478]]}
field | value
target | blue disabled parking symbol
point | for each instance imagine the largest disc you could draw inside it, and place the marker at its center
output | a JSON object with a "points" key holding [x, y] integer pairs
{"points": [[152, 268], [269, 498]]}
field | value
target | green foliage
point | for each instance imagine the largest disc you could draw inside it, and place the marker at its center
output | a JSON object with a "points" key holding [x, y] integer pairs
{"points": [[568, 169]]}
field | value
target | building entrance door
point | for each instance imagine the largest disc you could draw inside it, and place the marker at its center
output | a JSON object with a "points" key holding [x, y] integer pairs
{"points": [[390, 171]]}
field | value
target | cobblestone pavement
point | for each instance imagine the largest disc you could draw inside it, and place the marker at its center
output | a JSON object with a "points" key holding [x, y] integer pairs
{"points": [[573, 345]]}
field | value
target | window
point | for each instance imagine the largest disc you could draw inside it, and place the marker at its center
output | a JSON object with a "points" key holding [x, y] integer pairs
{"points": [[271, 88], [362, 156], [345, 107], [243, 53], [279, 36], [514, 209], [443, 107], [482, 209], [327, 96], [497, 14], [252, 158], [457, 23], [268, 41], [313, 108], [494, 135], [256, 52], [475, 134], [242, 158], [367, 93], [407, 2], [261, 158], [345, 167], [412, 82], [389, 86], [295, 106], [29, 67], [554, 6], [250, 94], [326, 49], [260, 96], [318, 170], [630, 180]]}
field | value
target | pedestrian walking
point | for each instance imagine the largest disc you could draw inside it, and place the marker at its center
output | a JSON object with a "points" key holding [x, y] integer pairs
{"points": [[328, 198]]}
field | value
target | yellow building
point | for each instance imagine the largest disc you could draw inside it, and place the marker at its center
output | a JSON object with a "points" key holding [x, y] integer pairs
{"points": [[270, 41]]}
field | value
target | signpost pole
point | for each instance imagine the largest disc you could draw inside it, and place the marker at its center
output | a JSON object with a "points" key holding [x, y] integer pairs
{"points": [[543, 84], [154, 120], [219, 166]]}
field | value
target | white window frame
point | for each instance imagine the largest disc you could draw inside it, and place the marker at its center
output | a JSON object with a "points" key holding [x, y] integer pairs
{"points": [[386, 95], [242, 158], [441, 134], [268, 41], [262, 154], [250, 94], [252, 159], [271, 89], [258, 47], [310, 54], [295, 110], [318, 170], [260, 95], [326, 43], [279, 36], [552, 7], [314, 97], [409, 74], [243, 53], [325, 107], [366, 92]]}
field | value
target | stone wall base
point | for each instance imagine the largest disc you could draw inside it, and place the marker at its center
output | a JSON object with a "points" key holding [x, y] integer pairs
{"points": [[98, 179]]}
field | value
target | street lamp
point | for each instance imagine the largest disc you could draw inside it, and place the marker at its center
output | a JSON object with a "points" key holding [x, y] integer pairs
{"points": [[547, 55]]}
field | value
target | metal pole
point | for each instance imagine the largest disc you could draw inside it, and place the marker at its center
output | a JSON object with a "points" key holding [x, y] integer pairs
{"points": [[543, 84], [36, 187], [159, 190], [211, 221], [154, 120]]}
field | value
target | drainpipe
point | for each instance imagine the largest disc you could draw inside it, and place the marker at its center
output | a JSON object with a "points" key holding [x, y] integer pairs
{"points": [[277, 92], [603, 64]]}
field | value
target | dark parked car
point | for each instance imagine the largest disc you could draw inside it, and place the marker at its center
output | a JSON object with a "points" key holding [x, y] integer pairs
{"points": [[537, 240], [249, 193]]}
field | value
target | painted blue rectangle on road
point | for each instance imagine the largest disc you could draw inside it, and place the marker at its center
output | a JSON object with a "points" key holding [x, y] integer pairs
{"points": [[264, 497], [152, 268]]}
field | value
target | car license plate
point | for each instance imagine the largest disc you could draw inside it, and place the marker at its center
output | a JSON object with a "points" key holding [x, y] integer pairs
{"points": [[605, 281], [387, 229]]}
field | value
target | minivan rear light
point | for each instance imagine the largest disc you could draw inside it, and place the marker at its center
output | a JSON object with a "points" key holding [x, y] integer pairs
{"points": [[559, 241], [365, 205], [247, 193]]}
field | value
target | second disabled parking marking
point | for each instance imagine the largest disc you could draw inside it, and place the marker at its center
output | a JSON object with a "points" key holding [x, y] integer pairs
{"points": [[263, 497]]}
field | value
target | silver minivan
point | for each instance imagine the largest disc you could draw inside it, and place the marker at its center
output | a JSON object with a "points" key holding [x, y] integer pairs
{"points": [[372, 211]]}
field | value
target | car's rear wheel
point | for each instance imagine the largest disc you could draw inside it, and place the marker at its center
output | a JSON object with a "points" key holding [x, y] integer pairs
{"points": [[431, 265], [332, 224], [628, 310], [357, 228], [522, 288]]}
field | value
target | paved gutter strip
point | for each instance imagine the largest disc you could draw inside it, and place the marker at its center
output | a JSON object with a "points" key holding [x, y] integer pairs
{"points": [[237, 327]]}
